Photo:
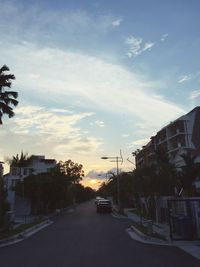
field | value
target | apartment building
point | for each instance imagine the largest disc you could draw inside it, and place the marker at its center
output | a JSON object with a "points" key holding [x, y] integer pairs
{"points": [[178, 137]]}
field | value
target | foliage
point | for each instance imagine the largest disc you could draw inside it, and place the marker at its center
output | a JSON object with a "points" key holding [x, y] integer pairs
{"points": [[73, 171], [189, 173], [7, 98], [20, 161], [56, 189], [4, 206]]}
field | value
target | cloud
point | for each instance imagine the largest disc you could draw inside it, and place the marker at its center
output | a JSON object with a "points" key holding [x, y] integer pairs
{"points": [[136, 46], [194, 94], [73, 27], [37, 129], [164, 36], [117, 22], [125, 135], [100, 124], [67, 77], [100, 175], [148, 46], [184, 78], [139, 143], [94, 174]]}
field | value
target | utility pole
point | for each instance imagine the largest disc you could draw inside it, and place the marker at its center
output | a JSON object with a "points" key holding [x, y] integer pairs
{"points": [[117, 159]]}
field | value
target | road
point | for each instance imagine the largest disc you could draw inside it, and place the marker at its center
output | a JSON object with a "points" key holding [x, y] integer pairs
{"points": [[83, 238]]}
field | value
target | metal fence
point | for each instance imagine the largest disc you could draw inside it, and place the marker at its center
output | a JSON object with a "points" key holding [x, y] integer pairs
{"points": [[184, 218]]}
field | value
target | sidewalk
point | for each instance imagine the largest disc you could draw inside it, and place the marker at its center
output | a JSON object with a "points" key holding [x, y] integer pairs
{"points": [[24, 234], [191, 247]]}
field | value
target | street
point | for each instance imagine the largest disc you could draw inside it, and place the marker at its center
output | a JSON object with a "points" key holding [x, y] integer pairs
{"points": [[85, 238]]}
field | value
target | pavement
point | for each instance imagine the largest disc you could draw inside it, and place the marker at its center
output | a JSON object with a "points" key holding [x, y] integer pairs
{"points": [[191, 247], [19, 220], [87, 238]]}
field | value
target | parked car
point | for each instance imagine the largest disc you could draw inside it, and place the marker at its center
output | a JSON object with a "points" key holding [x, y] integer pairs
{"points": [[104, 205]]}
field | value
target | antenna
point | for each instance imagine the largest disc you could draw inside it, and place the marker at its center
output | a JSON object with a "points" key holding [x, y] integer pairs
{"points": [[130, 161], [121, 156]]}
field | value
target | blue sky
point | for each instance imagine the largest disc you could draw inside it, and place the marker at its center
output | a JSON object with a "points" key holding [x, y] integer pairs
{"points": [[95, 77]]}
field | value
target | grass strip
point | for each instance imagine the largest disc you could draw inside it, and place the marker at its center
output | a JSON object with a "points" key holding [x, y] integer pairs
{"points": [[19, 229]]}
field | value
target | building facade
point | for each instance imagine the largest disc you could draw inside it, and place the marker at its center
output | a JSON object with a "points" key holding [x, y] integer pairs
{"points": [[38, 164], [177, 138]]}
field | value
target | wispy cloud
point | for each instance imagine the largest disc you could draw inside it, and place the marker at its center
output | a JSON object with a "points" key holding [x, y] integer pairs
{"points": [[100, 123], [184, 78], [125, 135], [117, 22], [33, 23], [194, 94], [136, 46], [164, 36], [104, 80], [139, 143]]}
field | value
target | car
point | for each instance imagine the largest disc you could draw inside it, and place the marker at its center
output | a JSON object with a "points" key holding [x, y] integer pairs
{"points": [[104, 205], [97, 199]]}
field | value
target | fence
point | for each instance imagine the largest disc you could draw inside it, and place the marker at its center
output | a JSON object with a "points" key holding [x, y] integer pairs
{"points": [[184, 218]]}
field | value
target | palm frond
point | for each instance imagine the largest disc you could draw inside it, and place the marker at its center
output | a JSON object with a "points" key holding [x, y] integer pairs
{"points": [[4, 68]]}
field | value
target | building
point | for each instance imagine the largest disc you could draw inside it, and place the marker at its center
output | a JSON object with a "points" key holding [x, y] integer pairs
{"points": [[177, 138], [1, 169], [38, 164]]}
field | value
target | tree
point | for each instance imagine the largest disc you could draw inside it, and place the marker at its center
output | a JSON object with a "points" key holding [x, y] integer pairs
{"points": [[165, 173], [20, 162], [73, 171], [7, 98], [190, 171], [55, 189]]}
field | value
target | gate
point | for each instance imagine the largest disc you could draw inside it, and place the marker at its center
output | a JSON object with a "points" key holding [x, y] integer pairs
{"points": [[184, 218]]}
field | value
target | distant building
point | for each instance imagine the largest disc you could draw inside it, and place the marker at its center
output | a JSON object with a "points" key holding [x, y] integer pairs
{"points": [[177, 138], [38, 164]]}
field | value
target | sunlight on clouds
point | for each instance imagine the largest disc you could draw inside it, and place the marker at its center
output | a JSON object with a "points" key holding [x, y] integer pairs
{"points": [[95, 82], [139, 143], [47, 121]]}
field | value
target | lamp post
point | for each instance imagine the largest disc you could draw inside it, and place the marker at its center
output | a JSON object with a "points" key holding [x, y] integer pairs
{"points": [[117, 159]]}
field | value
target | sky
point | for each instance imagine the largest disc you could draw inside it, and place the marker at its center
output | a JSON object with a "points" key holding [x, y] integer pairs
{"points": [[97, 77]]}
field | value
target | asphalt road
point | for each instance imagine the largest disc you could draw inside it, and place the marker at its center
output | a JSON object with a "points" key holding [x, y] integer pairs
{"points": [[84, 238]]}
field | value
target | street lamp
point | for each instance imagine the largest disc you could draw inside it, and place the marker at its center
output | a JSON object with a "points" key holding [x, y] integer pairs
{"points": [[117, 159]]}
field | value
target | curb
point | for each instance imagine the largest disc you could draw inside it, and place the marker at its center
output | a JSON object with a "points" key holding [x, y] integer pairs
{"points": [[140, 237], [24, 234]]}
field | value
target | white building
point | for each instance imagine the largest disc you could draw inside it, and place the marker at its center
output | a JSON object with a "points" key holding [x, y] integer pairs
{"points": [[38, 164], [177, 138]]}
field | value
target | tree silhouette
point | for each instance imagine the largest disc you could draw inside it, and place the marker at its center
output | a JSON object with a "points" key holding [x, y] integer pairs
{"points": [[7, 98], [190, 171]]}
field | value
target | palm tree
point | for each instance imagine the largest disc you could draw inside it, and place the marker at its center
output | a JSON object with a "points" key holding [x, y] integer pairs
{"points": [[7, 98], [20, 161]]}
